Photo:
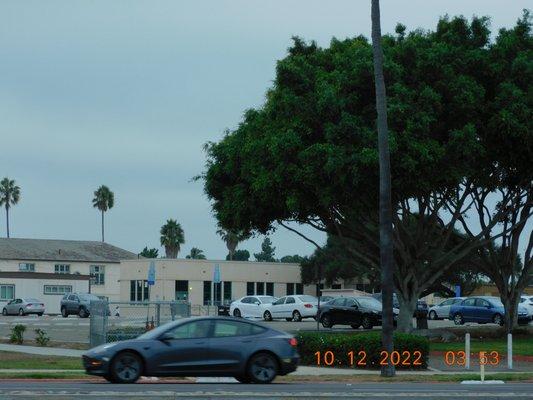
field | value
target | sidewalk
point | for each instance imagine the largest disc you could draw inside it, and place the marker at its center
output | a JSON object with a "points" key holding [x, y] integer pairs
{"points": [[43, 351]]}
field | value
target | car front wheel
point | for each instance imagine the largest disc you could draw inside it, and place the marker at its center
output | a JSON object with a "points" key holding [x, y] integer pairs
{"points": [[367, 322], [83, 312], [262, 368], [326, 321], [126, 367], [497, 319], [267, 316], [432, 315], [237, 313], [64, 313], [458, 319]]}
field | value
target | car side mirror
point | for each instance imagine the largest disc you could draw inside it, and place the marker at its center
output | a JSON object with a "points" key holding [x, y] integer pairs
{"points": [[257, 303], [166, 336]]}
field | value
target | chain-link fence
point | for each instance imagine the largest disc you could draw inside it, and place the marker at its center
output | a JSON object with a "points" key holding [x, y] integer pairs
{"points": [[114, 321]]}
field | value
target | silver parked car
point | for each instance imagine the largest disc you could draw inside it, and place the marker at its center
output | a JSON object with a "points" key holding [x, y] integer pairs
{"points": [[442, 310], [24, 306]]}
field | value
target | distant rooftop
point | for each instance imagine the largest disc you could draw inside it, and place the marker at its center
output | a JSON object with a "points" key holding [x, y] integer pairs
{"points": [[61, 250]]}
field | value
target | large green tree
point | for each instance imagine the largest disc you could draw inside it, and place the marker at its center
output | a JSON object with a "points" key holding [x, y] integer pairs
{"points": [[149, 253], [172, 237], [309, 155], [103, 200], [267, 253], [9, 196], [196, 254], [239, 255], [232, 239]]}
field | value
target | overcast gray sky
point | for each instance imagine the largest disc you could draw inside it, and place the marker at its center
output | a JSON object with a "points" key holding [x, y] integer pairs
{"points": [[125, 93]]}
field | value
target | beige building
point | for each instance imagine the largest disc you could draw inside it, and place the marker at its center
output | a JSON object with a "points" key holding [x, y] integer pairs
{"points": [[47, 269], [193, 280]]}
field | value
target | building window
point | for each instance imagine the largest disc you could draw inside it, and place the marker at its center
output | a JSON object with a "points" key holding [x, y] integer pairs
{"points": [[260, 288], [217, 295], [207, 293], [250, 289], [299, 288], [182, 290], [27, 267], [290, 289], [227, 292], [62, 269], [139, 290], [7, 292], [97, 275], [270, 289], [57, 289], [336, 286]]}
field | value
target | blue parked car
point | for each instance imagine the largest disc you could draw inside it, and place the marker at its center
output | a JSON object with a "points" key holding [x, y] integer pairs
{"points": [[483, 310]]}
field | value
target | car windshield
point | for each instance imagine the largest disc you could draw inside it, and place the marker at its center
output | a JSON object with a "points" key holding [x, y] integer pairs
{"points": [[266, 299], [369, 302], [154, 333], [307, 298], [88, 297]]}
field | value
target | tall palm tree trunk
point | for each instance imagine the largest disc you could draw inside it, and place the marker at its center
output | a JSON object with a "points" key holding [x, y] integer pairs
{"points": [[7, 220], [385, 202], [102, 226]]}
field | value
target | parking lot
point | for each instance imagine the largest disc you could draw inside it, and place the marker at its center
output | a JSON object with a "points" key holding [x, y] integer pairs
{"points": [[76, 330]]}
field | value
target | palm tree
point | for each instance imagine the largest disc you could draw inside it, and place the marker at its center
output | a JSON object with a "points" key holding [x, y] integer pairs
{"points": [[196, 254], [9, 196], [104, 199], [232, 239], [385, 202], [172, 237]]}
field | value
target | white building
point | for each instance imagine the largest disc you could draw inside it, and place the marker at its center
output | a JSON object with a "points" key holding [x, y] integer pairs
{"points": [[46, 269]]}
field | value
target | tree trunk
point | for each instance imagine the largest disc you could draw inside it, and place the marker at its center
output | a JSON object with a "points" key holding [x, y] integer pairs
{"points": [[102, 226], [385, 203], [407, 309], [7, 220], [510, 303], [231, 249]]}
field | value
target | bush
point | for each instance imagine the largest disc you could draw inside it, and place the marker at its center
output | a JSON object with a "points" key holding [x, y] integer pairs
{"points": [[17, 334], [42, 338], [361, 350]]}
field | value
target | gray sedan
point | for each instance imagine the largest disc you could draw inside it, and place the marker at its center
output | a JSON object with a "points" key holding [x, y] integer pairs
{"points": [[23, 307], [201, 346]]}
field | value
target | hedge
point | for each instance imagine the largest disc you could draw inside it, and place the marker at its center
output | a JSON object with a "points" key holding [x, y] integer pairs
{"points": [[355, 349]]}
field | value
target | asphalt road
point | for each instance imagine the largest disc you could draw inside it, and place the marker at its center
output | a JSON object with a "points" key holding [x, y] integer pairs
{"points": [[101, 391], [75, 329]]}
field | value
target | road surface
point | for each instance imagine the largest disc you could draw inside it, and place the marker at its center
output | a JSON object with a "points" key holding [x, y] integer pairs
{"points": [[80, 391]]}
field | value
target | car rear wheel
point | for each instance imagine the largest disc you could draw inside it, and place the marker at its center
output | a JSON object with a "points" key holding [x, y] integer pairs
{"points": [[367, 322], [40, 314], [21, 312], [126, 367], [355, 326], [267, 316], [4, 312], [432, 315], [64, 313], [296, 316], [326, 321], [458, 319], [497, 319], [262, 368], [237, 313]]}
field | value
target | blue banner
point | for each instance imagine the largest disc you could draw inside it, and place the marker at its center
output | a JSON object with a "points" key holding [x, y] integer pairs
{"points": [[216, 274], [151, 273]]}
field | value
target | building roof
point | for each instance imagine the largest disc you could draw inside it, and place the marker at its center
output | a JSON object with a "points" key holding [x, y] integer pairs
{"points": [[44, 275], [62, 250]]}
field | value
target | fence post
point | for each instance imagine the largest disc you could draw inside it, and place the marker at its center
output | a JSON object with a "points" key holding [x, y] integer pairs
{"points": [[467, 350], [510, 350], [157, 314]]}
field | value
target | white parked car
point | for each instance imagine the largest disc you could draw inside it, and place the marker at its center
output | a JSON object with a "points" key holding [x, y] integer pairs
{"points": [[251, 306], [527, 303], [292, 308], [442, 310]]}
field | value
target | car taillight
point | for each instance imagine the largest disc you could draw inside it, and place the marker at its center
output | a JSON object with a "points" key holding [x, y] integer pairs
{"points": [[308, 305], [29, 305], [293, 342]]}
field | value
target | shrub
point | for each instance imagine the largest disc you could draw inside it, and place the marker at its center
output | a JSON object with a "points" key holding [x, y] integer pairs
{"points": [[361, 350], [17, 334], [42, 338]]}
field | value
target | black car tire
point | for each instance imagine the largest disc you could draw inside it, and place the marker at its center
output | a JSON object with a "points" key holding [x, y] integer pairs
{"points": [[64, 312], [4, 312], [267, 316], [367, 322], [498, 319], [296, 316], [432, 315], [83, 313], [243, 379], [262, 368], [21, 312], [458, 319], [126, 367], [354, 326], [237, 313], [326, 321], [39, 314]]}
